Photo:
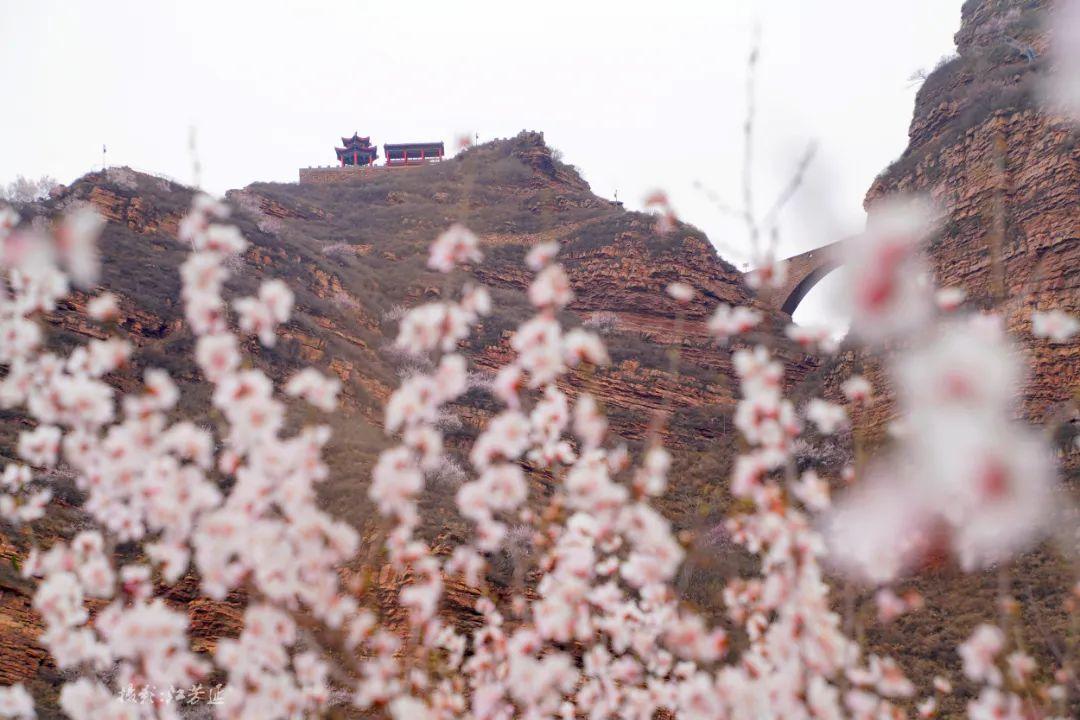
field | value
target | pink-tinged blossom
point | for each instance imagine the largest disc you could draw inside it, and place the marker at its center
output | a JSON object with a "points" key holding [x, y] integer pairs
{"points": [[885, 293], [1002, 494], [827, 416], [15, 476], [969, 474], [504, 486], [540, 256], [551, 288], [538, 343], [550, 416], [507, 384], [993, 704], [76, 242], [878, 529], [967, 365], [171, 558], [812, 491], [680, 291], [590, 424], [18, 338], [406, 707], [99, 357], [979, 654], [16, 703], [1055, 325], [433, 326], [457, 245], [203, 275], [889, 605], [278, 299], [727, 321], [103, 308], [1021, 667], [769, 273], [451, 378], [32, 507], [476, 301], [261, 315], [468, 563], [890, 680], [315, 388], [857, 389], [161, 392], [427, 443], [666, 219], [950, 298], [217, 354], [652, 479], [194, 224], [811, 336], [205, 313], [59, 599], [416, 401], [506, 437], [1063, 83], [8, 220], [86, 699], [396, 479], [582, 346], [41, 446], [222, 239]]}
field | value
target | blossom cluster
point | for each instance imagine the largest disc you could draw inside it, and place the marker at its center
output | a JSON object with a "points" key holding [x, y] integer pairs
{"points": [[158, 482], [964, 469], [591, 623]]}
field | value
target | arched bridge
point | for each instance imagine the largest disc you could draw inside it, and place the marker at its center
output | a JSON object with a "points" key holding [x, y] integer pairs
{"points": [[803, 273]]}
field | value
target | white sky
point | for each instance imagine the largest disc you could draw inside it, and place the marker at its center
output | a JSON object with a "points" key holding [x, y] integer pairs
{"points": [[639, 95]]}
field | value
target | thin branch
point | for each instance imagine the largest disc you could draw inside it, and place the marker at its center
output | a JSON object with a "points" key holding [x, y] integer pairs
{"points": [[793, 185], [748, 141]]}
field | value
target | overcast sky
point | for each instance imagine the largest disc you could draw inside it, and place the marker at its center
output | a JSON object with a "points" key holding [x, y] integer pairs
{"points": [[637, 95]]}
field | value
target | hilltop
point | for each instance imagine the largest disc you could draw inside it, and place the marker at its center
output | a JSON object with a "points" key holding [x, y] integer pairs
{"points": [[355, 255]]}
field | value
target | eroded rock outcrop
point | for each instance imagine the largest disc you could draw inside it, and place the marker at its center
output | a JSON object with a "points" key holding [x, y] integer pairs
{"points": [[1005, 174]]}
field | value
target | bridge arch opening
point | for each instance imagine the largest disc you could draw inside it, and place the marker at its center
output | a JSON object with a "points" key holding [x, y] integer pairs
{"points": [[804, 286], [819, 303]]}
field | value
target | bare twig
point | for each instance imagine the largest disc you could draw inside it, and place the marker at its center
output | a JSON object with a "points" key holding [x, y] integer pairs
{"points": [[793, 185], [748, 142]]}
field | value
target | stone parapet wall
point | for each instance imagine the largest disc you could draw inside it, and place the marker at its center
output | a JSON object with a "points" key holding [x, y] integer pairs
{"points": [[350, 173]]}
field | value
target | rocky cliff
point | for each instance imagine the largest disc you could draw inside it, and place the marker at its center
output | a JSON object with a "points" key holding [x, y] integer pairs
{"points": [[1005, 175], [355, 255]]}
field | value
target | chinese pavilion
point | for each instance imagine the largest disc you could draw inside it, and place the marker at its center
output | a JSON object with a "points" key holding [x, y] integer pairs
{"points": [[357, 151], [413, 153]]}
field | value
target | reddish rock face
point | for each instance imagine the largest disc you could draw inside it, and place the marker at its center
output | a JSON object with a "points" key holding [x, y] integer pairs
{"points": [[355, 254], [1006, 176]]}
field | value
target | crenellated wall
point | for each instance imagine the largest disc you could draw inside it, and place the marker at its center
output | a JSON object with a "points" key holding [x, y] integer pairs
{"points": [[348, 174]]}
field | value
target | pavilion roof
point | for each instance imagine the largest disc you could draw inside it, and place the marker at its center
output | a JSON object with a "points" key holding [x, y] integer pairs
{"points": [[371, 150], [413, 146], [356, 140]]}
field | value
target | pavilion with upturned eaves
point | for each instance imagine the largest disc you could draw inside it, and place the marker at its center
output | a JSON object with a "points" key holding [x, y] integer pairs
{"points": [[356, 160], [357, 151], [413, 153]]}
